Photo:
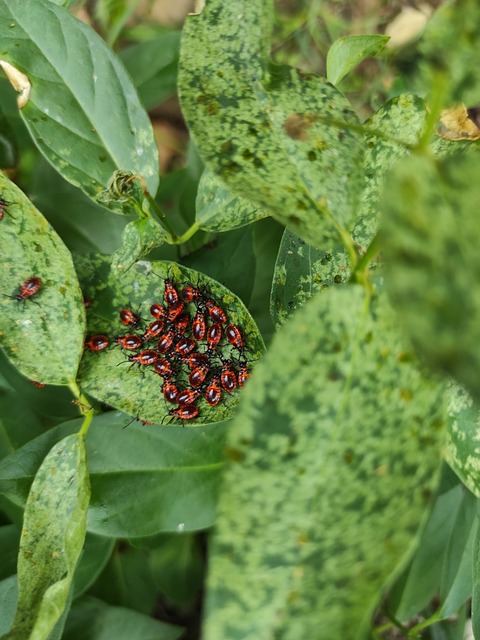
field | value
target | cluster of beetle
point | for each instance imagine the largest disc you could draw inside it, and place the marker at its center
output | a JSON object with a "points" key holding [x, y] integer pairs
{"points": [[184, 344]]}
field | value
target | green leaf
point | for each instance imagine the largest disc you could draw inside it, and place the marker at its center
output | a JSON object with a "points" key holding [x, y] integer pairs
{"points": [[431, 235], [8, 602], [83, 111], [134, 472], [456, 584], [346, 53], [476, 582], [461, 451], [95, 620], [300, 270], [218, 209], [9, 540], [131, 389], [87, 227], [44, 340], [52, 539], [8, 143], [138, 239], [442, 565], [448, 50], [153, 67], [324, 457], [95, 555], [286, 140]]}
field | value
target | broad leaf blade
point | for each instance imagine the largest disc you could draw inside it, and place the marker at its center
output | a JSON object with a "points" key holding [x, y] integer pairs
{"points": [[83, 111], [134, 472], [288, 141], [93, 619], [218, 209], [346, 53], [323, 458], [107, 375], [461, 451], [52, 539], [44, 340], [431, 235], [300, 270]]}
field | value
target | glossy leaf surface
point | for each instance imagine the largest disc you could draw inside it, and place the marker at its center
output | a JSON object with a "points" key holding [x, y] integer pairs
{"points": [[134, 472], [83, 111], [285, 139], [43, 334], [323, 457], [52, 538]]}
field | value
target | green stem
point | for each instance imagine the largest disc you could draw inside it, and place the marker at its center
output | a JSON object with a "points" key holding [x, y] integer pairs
{"points": [[161, 216], [191, 231], [85, 409], [413, 632], [436, 104]]}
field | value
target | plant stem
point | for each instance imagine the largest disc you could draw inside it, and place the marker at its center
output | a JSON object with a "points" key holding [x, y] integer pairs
{"points": [[161, 216], [191, 231], [85, 409]]}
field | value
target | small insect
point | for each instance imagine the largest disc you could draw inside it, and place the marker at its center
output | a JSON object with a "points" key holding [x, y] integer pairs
{"points": [[191, 294], [145, 358], [170, 295], [138, 419], [186, 412], [127, 317], [165, 342], [158, 311], [154, 329], [214, 335], [213, 392], [28, 289], [228, 377], [163, 367], [129, 342], [170, 391], [235, 337], [195, 359], [185, 346], [215, 312], [40, 385], [175, 310], [188, 396], [199, 326], [3, 208], [181, 324], [198, 375], [96, 343], [243, 374]]}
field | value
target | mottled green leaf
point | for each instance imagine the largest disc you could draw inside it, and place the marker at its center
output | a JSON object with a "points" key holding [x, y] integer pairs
{"points": [[448, 52], [134, 472], [345, 53], [95, 620], [462, 451], [431, 234], [301, 270], [153, 67], [52, 538], [83, 111], [43, 340], [108, 376], [287, 140], [218, 209], [138, 239], [324, 457]]}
